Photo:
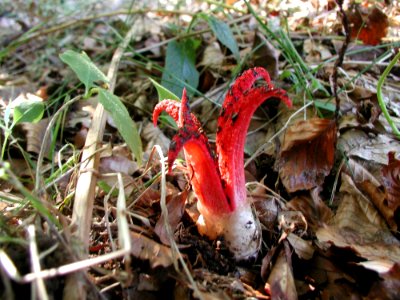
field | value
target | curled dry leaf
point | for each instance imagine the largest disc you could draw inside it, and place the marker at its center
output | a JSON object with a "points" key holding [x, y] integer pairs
{"points": [[357, 226], [34, 136], [387, 200], [315, 211], [307, 154]]}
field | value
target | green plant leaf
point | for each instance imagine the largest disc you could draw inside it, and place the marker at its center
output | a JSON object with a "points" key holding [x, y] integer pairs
{"points": [[28, 111], [164, 93], [84, 68], [224, 35], [329, 106], [126, 126], [180, 69]]}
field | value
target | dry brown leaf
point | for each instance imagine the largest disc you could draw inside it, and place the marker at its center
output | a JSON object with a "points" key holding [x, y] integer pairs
{"points": [[281, 281], [147, 249], [213, 57], [154, 136], [315, 211], [356, 143], [391, 182], [34, 136], [389, 287], [304, 249], [307, 154], [315, 51], [333, 282], [368, 26], [358, 226], [265, 55], [358, 171], [176, 208], [387, 200], [117, 164], [266, 263]]}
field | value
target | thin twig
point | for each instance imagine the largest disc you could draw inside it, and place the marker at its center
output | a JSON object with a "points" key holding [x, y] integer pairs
{"points": [[39, 285], [339, 61]]}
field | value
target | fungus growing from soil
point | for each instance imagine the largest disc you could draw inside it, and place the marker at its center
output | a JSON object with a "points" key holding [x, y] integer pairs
{"points": [[219, 182]]}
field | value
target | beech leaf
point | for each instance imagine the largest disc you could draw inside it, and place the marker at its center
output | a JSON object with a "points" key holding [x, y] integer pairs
{"points": [[307, 154], [387, 200], [370, 27]]}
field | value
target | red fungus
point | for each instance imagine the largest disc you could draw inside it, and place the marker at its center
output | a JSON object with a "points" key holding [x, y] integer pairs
{"points": [[219, 183]]}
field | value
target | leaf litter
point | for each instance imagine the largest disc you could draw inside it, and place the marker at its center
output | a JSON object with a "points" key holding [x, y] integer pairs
{"points": [[325, 190]]}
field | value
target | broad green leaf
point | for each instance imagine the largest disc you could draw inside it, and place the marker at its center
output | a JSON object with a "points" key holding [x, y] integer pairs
{"points": [[126, 126], [180, 69], [28, 111], [164, 93], [84, 68], [224, 35]]}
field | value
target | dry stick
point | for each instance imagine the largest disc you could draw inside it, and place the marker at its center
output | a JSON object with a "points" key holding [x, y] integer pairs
{"points": [[38, 286], [339, 61], [86, 184]]}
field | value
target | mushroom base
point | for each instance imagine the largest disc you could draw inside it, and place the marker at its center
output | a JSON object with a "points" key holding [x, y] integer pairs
{"points": [[240, 229]]}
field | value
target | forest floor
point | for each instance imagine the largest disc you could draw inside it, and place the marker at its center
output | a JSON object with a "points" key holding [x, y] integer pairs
{"points": [[88, 207]]}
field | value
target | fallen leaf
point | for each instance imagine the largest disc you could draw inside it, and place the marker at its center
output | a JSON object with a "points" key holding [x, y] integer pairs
{"points": [[281, 281], [117, 164], [332, 282], [315, 51], [368, 26], [176, 208], [358, 171], [154, 136], [213, 57], [266, 264], [147, 249], [358, 227], [307, 154], [265, 55], [315, 211], [389, 287], [34, 133], [387, 200], [356, 143], [391, 182], [304, 249]]}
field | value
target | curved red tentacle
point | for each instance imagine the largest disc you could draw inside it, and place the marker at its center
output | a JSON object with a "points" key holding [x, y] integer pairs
{"points": [[233, 123], [205, 177]]}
